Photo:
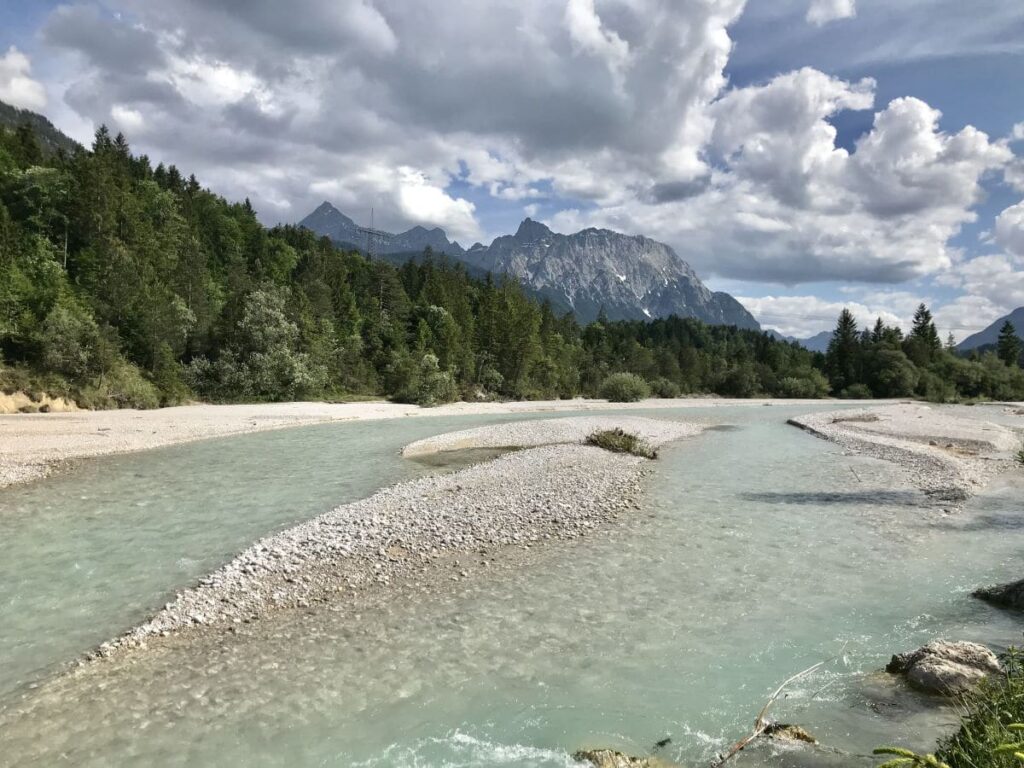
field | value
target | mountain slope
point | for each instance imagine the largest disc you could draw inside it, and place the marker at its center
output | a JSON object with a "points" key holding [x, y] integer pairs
{"points": [[49, 137], [328, 221], [990, 335], [628, 277]]}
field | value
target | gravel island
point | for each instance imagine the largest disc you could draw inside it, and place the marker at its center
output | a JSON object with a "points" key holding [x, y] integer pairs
{"points": [[560, 489]]}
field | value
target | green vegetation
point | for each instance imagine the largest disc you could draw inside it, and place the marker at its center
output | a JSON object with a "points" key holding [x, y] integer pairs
{"points": [[618, 441], [624, 388], [124, 284], [882, 362], [991, 733]]}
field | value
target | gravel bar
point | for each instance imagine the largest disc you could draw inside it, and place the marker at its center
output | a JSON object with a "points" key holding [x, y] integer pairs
{"points": [[524, 498], [949, 457]]}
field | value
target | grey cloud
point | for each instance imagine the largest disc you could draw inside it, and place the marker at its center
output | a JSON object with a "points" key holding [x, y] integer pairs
{"points": [[106, 43]]}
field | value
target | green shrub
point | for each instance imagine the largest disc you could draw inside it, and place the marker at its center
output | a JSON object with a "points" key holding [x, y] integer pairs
{"points": [[624, 388], [434, 386], [856, 392], [809, 384], [618, 441], [991, 731], [664, 388], [123, 386]]}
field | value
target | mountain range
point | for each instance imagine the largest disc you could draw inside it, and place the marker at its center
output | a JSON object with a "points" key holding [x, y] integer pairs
{"points": [[628, 277], [990, 336]]}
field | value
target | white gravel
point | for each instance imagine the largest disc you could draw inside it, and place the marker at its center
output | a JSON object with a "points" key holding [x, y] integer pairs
{"points": [[948, 453], [520, 499], [530, 434]]}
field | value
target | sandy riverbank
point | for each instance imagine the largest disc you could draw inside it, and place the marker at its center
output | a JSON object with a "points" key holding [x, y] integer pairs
{"points": [[34, 445], [949, 452], [558, 489]]}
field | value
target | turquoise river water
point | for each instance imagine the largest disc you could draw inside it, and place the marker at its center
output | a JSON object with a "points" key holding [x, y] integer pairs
{"points": [[759, 550]]}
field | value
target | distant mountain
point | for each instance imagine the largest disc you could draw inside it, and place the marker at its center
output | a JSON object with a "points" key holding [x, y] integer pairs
{"points": [[817, 343], [628, 277], [990, 336], [49, 137], [328, 221], [781, 336]]}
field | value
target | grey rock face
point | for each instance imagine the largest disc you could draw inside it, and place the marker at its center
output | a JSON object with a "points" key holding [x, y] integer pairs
{"points": [[1005, 595], [328, 221], [630, 277], [945, 668]]}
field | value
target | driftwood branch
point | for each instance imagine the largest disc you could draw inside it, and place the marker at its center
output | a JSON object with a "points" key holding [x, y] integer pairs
{"points": [[761, 724]]}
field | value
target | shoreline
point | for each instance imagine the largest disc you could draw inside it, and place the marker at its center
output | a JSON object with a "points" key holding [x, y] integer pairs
{"points": [[947, 455], [34, 446], [552, 488]]}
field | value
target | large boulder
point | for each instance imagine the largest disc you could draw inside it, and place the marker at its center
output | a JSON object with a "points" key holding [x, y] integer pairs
{"points": [[1005, 595], [944, 667]]}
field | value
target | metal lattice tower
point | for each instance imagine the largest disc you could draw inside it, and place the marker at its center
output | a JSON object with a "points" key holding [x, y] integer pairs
{"points": [[373, 236]]}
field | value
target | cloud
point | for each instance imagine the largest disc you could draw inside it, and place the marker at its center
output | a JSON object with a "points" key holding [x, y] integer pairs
{"points": [[821, 12], [805, 316], [1009, 229], [427, 203], [16, 84], [617, 111], [589, 35]]}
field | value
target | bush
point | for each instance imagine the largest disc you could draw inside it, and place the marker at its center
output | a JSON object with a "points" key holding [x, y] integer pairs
{"points": [[664, 388], [810, 384], [618, 441], [624, 388], [122, 387], [991, 732], [434, 386], [856, 392]]}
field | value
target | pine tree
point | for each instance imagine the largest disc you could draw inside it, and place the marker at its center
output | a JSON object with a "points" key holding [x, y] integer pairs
{"points": [[924, 329], [842, 361], [1009, 345]]}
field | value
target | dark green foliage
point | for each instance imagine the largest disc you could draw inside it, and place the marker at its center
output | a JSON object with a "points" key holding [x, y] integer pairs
{"points": [[619, 441], [1008, 347], [991, 733], [882, 363], [664, 388], [124, 284], [624, 388]]}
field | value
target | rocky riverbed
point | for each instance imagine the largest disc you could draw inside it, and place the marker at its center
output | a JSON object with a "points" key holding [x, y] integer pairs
{"points": [[949, 456], [560, 489]]}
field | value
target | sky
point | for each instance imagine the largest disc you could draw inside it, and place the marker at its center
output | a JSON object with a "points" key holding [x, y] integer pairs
{"points": [[803, 155]]}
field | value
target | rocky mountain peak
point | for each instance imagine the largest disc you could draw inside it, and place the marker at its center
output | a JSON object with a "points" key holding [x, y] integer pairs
{"points": [[530, 231]]}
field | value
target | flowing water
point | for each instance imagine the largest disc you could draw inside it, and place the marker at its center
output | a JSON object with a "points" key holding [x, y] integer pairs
{"points": [[759, 551]]}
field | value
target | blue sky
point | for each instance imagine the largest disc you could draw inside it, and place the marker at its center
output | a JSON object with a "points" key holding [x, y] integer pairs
{"points": [[791, 150]]}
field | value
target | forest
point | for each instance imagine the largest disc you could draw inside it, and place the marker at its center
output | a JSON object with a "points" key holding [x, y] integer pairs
{"points": [[128, 285]]}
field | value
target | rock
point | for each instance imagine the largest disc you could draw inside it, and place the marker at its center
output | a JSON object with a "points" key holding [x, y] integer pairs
{"points": [[946, 668], [1004, 595], [787, 732], [609, 758]]}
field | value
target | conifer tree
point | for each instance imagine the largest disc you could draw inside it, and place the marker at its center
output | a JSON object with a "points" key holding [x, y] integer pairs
{"points": [[1009, 345]]}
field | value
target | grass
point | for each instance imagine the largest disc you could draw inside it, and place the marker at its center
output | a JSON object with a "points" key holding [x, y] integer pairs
{"points": [[991, 731], [618, 441]]}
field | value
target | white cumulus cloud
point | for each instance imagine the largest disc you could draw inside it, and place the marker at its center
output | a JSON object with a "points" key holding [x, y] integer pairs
{"points": [[821, 12], [16, 84]]}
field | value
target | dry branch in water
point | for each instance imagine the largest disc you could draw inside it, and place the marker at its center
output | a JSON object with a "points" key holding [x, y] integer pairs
{"points": [[762, 724]]}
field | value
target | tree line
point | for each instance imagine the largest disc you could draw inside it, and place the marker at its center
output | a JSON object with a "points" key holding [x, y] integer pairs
{"points": [[128, 285], [882, 361]]}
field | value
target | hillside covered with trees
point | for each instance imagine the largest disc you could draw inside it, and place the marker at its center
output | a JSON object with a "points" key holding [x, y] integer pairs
{"points": [[128, 285]]}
